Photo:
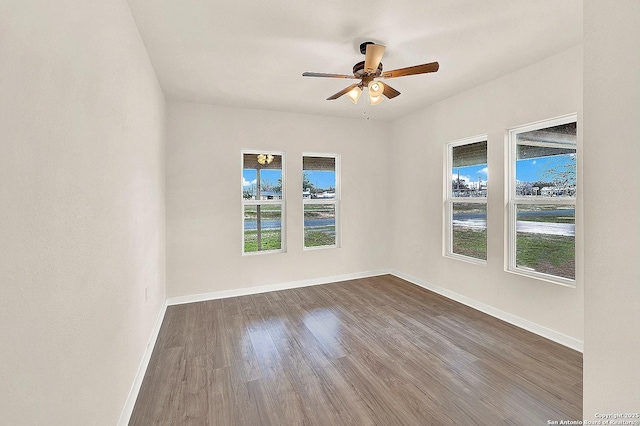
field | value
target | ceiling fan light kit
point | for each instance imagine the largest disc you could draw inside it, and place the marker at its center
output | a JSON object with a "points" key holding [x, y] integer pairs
{"points": [[368, 70], [375, 88], [374, 100], [354, 94], [265, 159]]}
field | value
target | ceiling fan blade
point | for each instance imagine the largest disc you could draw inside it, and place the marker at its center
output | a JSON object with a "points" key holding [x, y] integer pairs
{"points": [[321, 74], [390, 92], [416, 69], [373, 57], [342, 92]]}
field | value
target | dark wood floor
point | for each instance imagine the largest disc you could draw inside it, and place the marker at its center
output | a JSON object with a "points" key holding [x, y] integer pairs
{"points": [[374, 351]]}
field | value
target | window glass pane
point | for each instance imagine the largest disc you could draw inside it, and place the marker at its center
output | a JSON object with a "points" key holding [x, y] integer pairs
{"points": [[546, 162], [545, 239], [318, 177], [469, 230], [262, 177], [262, 228], [319, 225], [469, 170]]}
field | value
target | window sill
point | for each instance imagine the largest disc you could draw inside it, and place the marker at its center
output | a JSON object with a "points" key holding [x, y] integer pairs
{"points": [[257, 253], [565, 282], [467, 259], [335, 246]]}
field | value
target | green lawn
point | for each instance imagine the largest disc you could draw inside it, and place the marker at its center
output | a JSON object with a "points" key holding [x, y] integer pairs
{"points": [[318, 207], [317, 237], [470, 242], [270, 240], [320, 236], [266, 212], [549, 254]]}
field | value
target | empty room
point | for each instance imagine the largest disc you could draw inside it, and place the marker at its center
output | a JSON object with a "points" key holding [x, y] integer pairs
{"points": [[342, 213]]}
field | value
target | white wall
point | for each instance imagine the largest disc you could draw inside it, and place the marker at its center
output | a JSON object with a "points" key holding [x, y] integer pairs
{"points": [[612, 231], [204, 213], [547, 89], [81, 209]]}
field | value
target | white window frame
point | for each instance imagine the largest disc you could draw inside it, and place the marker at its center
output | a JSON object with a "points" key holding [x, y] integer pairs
{"points": [[450, 200], [335, 201], [281, 203], [513, 200]]}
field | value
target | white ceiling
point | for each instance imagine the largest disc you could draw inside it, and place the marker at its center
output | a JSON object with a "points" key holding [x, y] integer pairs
{"points": [[251, 53]]}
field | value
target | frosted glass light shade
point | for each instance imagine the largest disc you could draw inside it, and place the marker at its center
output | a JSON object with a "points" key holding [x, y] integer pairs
{"points": [[354, 94], [375, 88], [375, 100]]}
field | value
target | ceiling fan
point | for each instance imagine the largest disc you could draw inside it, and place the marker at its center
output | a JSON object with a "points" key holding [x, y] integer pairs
{"points": [[370, 69]]}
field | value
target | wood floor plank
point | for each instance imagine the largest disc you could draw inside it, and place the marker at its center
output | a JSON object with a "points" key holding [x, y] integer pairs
{"points": [[217, 349], [221, 403], [195, 392], [196, 320], [372, 351]]}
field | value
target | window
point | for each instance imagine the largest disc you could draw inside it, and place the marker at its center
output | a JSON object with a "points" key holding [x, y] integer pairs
{"points": [[320, 200], [466, 200], [262, 202], [542, 200]]}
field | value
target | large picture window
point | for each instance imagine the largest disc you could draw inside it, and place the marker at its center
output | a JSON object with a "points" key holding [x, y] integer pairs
{"points": [[320, 199], [262, 202], [542, 200], [466, 200]]}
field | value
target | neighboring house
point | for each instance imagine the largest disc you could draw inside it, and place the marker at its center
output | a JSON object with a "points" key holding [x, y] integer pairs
{"points": [[557, 191], [270, 195], [325, 195]]}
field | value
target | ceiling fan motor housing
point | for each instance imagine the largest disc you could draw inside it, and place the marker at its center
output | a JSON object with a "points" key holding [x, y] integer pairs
{"points": [[358, 70]]}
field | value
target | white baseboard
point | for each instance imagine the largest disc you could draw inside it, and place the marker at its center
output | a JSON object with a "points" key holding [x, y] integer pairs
{"points": [[125, 416], [545, 332], [270, 287]]}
